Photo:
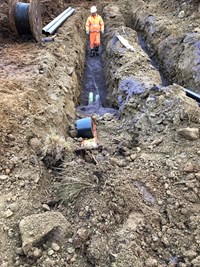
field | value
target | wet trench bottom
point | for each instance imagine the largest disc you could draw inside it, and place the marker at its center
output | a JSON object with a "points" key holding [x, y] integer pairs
{"points": [[93, 97], [94, 80]]}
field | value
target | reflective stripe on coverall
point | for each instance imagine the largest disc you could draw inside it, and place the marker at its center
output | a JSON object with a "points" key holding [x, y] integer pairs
{"points": [[94, 25]]}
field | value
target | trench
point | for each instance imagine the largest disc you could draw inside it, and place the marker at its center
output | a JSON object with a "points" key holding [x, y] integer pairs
{"points": [[165, 81], [93, 99], [153, 60], [94, 80]]}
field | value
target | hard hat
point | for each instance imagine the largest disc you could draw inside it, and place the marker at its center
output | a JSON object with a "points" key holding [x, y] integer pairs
{"points": [[93, 9]]}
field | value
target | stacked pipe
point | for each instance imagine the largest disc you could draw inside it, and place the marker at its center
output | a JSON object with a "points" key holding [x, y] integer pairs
{"points": [[54, 24]]}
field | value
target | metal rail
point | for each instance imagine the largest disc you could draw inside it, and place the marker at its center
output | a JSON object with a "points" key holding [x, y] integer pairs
{"points": [[57, 22]]}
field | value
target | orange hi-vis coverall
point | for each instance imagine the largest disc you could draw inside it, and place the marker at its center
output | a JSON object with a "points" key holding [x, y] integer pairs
{"points": [[94, 25]]}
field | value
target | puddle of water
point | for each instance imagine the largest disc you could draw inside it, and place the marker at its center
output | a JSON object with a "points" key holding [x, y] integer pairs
{"points": [[96, 108], [144, 192]]}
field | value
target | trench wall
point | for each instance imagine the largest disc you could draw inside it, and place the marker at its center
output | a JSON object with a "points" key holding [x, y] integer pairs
{"points": [[40, 85], [134, 85], [125, 68], [172, 41]]}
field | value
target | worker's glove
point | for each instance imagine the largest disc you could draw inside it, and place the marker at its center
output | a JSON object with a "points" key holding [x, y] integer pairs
{"points": [[87, 32], [102, 32]]}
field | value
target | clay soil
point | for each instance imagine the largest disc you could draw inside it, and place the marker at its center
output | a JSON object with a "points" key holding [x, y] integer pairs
{"points": [[134, 200]]}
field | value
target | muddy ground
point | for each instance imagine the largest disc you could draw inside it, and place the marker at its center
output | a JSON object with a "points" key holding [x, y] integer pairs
{"points": [[132, 201]]}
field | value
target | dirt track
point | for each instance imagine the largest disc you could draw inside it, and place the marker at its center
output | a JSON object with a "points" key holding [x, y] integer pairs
{"points": [[134, 201]]}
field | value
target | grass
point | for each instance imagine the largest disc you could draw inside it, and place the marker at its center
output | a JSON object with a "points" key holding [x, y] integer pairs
{"points": [[54, 149], [71, 188]]}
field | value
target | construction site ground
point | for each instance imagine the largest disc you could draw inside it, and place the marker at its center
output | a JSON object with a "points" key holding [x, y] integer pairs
{"points": [[132, 201]]}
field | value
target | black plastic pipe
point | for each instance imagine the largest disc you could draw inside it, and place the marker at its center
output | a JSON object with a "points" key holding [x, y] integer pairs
{"points": [[22, 18], [193, 95]]}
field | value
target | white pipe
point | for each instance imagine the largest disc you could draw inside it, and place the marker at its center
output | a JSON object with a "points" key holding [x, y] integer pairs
{"points": [[59, 22], [48, 26]]}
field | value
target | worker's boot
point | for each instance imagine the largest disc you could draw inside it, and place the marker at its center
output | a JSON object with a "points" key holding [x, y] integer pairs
{"points": [[92, 52], [97, 50]]}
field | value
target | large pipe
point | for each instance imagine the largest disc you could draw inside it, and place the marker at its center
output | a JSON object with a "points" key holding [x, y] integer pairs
{"points": [[193, 95], [22, 18], [48, 26], [60, 21]]}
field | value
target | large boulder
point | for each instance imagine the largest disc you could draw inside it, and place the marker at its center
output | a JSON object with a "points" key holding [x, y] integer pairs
{"points": [[35, 229]]}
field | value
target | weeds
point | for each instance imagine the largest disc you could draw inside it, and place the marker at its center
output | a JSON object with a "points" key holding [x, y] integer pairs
{"points": [[71, 188], [54, 150]]}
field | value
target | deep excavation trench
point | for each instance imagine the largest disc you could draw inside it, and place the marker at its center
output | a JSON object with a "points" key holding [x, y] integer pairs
{"points": [[132, 202], [94, 80]]}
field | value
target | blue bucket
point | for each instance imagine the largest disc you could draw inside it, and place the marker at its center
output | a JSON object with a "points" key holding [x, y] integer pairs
{"points": [[85, 127]]}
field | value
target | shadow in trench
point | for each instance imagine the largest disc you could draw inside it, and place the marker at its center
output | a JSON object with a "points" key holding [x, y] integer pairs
{"points": [[154, 63]]}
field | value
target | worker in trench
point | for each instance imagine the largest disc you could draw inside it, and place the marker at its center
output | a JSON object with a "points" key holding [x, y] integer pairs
{"points": [[94, 28]]}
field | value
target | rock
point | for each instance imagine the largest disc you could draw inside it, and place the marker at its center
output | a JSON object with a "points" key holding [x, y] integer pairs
{"points": [[83, 233], [190, 184], [46, 207], [13, 207], [11, 233], [151, 263], [73, 133], [35, 145], [7, 171], [197, 29], [188, 167], [196, 262], [70, 250], [4, 177], [181, 14], [190, 254], [50, 252], [19, 251], [189, 133], [34, 229], [197, 175], [121, 163], [107, 117], [55, 246], [37, 253], [8, 213], [133, 157]]}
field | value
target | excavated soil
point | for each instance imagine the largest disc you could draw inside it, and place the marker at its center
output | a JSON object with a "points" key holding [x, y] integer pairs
{"points": [[134, 199]]}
